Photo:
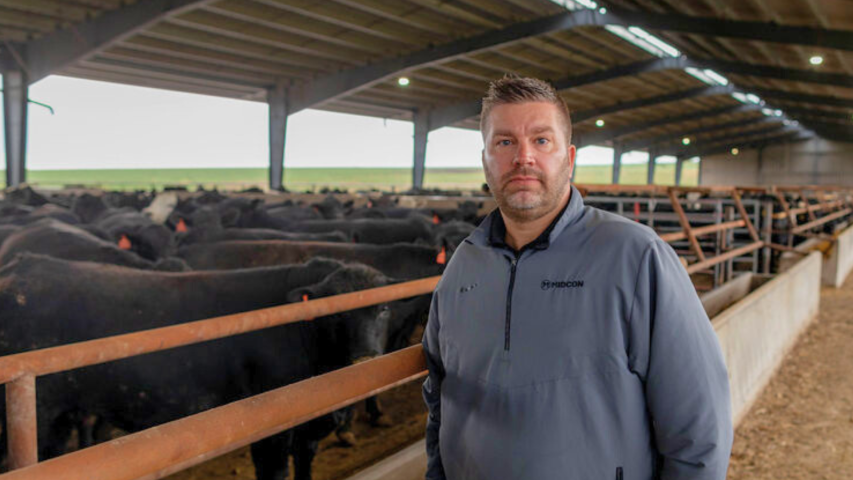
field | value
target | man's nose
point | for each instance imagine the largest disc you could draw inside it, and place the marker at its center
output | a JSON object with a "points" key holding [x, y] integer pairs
{"points": [[524, 154]]}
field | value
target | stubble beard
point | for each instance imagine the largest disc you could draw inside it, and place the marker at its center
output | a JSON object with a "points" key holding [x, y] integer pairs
{"points": [[518, 205]]}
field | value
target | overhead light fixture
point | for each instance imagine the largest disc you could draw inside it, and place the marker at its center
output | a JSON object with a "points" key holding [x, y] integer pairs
{"points": [[602, 10], [599, 123], [735, 151], [816, 60], [685, 140], [403, 81]]}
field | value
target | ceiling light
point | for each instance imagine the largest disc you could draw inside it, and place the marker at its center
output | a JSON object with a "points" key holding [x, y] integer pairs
{"points": [[685, 140], [599, 123], [602, 10], [403, 81], [735, 151], [816, 60]]}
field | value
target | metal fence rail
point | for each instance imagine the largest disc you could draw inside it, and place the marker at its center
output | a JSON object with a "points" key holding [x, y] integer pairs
{"points": [[155, 452], [20, 370]]}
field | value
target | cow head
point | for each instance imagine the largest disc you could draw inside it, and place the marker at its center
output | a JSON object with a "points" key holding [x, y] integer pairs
{"points": [[88, 207], [353, 335]]}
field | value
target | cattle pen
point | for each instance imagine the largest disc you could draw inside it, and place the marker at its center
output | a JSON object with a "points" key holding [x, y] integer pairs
{"points": [[782, 215]]}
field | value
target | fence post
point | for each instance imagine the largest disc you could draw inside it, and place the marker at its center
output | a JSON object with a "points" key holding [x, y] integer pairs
{"points": [[21, 422]]}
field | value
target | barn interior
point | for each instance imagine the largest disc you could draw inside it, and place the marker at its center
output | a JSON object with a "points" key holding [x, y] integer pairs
{"points": [[760, 91]]}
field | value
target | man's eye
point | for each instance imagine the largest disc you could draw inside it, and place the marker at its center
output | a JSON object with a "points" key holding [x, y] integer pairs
{"points": [[541, 141], [504, 143]]}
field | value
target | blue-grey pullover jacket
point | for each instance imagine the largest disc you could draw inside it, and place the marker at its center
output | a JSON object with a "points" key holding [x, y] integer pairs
{"points": [[587, 355]]}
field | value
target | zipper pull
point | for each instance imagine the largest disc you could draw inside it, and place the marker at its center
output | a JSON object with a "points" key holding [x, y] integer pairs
{"points": [[618, 473]]}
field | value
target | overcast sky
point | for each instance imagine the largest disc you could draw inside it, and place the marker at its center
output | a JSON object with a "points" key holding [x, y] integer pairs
{"points": [[106, 125]]}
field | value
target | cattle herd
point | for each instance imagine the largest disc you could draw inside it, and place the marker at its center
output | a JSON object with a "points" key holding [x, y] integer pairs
{"points": [[75, 267]]}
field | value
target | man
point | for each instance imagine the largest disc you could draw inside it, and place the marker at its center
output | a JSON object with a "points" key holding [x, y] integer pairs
{"points": [[565, 342]]}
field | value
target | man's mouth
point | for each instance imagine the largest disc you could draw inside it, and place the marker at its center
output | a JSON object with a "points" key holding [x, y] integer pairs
{"points": [[523, 179]]}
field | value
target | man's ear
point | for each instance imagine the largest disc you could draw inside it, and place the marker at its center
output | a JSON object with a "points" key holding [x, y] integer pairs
{"points": [[572, 152]]}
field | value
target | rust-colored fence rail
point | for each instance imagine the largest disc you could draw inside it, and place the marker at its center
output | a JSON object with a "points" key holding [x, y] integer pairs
{"points": [[19, 371], [154, 452]]}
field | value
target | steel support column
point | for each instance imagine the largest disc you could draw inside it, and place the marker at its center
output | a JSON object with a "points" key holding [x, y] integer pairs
{"points": [[278, 111], [617, 162], [653, 158], [15, 88], [679, 164], [421, 124]]}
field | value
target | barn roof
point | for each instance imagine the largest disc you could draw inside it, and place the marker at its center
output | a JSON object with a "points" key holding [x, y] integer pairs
{"points": [[729, 70]]}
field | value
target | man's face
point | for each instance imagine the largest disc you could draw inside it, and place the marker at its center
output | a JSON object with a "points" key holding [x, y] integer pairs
{"points": [[527, 159]]}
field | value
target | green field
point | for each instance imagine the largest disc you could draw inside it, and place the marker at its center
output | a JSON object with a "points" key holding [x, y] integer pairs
{"points": [[313, 179]]}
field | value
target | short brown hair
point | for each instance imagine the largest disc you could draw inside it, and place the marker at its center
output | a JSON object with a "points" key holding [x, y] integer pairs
{"points": [[515, 89]]}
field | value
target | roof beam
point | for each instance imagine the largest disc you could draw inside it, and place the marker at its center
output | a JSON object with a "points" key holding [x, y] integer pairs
{"points": [[715, 27], [351, 80], [803, 97], [648, 142], [708, 91], [57, 50], [787, 137], [448, 115], [335, 85], [601, 136], [790, 74], [816, 112]]}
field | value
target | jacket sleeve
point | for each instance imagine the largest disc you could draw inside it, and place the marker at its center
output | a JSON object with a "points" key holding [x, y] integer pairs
{"points": [[675, 351], [432, 392]]}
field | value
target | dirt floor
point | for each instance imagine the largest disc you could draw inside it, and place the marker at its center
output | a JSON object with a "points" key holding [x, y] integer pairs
{"points": [[802, 425], [334, 461]]}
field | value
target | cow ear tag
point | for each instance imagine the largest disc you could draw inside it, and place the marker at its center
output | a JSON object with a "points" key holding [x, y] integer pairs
{"points": [[441, 258], [435, 219], [124, 243], [181, 226], [305, 299]]}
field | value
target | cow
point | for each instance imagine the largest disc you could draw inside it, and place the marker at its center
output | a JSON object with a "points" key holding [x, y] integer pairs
{"points": [[58, 239], [205, 225], [401, 260], [376, 231], [47, 301]]}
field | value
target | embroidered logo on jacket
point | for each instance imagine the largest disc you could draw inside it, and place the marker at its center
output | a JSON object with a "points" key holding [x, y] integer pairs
{"points": [[549, 284]]}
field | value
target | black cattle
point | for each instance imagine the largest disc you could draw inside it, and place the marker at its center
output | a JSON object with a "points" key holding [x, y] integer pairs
{"points": [[5, 231], [205, 225], [136, 232], [25, 195], [451, 234], [28, 215], [89, 207], [47, 301], [331, 208], [406, 316], [399, 260], [60, 240], [368, 230], [294, 213]]}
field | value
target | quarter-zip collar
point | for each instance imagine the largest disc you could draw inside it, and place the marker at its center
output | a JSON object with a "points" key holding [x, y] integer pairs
{"points": [[492, 230]]}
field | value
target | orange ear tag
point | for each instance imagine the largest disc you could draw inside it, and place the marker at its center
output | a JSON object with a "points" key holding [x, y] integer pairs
{"points": [[124, 243], [305, 299], [441, 258], [181, 226], [435, 219]]}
